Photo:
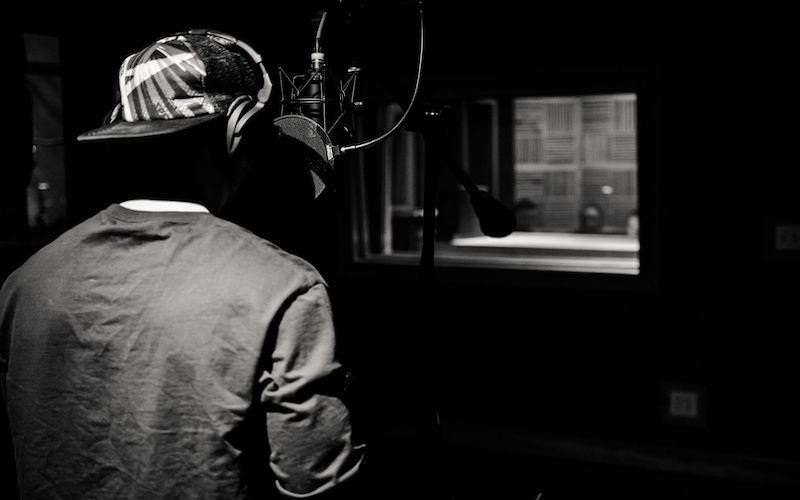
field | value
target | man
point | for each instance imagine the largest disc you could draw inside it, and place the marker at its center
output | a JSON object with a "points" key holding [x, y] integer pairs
{"points": [[158, 351]]}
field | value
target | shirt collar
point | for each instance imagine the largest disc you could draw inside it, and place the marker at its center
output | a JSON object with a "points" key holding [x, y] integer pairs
{"points": [[163, 206]]}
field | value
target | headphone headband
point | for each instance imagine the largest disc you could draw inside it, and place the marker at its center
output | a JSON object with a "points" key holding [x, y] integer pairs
{"points": [[243, 108], [263, 94]]}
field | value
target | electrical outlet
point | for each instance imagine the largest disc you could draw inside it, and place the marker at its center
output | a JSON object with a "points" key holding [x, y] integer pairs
{"points": [[684, 404], [787, 237]]}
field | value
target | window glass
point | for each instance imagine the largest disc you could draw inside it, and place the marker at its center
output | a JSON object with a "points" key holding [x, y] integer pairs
{"points": [[566, 166]]}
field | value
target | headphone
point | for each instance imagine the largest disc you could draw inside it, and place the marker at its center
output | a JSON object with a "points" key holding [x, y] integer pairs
{"points": [[243, 108]]}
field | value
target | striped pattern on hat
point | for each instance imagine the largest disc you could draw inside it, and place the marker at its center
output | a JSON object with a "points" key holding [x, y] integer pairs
{"points": [[164, 82]]}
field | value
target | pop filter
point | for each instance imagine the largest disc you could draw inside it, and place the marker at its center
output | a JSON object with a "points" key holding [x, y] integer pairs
{"points": [[308, 132]]}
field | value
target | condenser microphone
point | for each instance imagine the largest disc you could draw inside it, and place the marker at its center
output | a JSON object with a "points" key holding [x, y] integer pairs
{"points": [[309, 95], [316, 106], [313, 93], [304, 112], [314, 90], [318, 94]]}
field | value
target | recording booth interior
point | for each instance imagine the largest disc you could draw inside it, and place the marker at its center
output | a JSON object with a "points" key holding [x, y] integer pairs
{"points": [[629, 336]]}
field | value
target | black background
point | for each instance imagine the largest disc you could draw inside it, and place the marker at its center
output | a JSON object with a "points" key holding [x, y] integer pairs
{"points": [[549, 383]]}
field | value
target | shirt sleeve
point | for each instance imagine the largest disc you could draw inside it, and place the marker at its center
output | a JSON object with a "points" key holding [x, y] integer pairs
{"points": [[308, 424], [6, 307]]}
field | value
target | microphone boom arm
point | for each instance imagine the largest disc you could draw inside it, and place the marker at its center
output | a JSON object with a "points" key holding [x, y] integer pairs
{"points": [[372, 142]]}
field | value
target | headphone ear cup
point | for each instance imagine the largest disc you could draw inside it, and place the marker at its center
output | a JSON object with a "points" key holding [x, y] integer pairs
{"points": [[237, 116], [240, 112]]}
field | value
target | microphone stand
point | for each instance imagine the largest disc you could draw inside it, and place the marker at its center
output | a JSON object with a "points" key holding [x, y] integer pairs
{"points": [[432, 137], [495, 220], [431, 425]]}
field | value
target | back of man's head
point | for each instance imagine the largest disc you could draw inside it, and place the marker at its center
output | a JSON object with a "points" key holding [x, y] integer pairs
{"points": [[193, 123], [188, 104]]}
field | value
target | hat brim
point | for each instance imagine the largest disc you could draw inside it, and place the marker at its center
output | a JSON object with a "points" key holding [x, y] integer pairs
{"points": [[128, 130]]}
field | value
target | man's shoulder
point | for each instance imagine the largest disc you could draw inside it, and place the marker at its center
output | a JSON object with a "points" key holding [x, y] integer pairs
{"points": [[265, 256], [49, 255]]}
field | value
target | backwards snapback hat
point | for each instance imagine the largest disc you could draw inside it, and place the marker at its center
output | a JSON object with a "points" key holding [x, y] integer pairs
{"points": [[189, 79], [182, 81]]}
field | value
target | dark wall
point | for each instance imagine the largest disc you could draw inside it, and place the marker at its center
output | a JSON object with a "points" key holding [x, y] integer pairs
{"points": [[580, 357]]}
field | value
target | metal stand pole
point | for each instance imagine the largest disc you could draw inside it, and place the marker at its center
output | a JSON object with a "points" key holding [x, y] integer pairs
{"points": [[435, 455], [432, 132]]}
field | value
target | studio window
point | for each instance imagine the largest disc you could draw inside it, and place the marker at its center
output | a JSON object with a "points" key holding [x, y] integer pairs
{"points": [[566, 165]]}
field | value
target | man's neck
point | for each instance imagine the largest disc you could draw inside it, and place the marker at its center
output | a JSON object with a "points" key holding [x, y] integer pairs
{"points": [[163, 206]]}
